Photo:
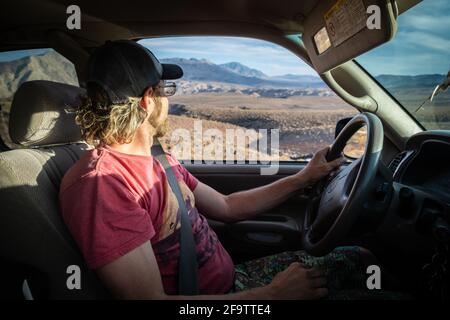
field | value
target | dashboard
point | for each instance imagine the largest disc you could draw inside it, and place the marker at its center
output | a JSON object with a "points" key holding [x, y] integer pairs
{"points": [[419, 211], [418, 217], [425, 164]]}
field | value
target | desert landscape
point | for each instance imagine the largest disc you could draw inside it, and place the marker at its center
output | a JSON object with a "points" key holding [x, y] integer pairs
{"points": [[305, 124], [235, 97]]}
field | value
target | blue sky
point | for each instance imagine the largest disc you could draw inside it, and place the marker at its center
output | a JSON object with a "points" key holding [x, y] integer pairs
{"points": [[13, 55], [421, 46], [262, 55]]}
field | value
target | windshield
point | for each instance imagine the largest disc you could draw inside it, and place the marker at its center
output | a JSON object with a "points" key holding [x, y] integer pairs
{"points": [[417, 61]]}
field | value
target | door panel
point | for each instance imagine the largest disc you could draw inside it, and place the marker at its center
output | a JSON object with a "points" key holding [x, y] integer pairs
{"points": [[231, 178], [277, 230]]}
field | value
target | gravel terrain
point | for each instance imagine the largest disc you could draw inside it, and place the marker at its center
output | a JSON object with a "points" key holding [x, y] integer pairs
{"points": [[303, 129]]}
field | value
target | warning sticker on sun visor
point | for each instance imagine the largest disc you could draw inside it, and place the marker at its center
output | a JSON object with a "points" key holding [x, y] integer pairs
{"points": [[345, 19]]}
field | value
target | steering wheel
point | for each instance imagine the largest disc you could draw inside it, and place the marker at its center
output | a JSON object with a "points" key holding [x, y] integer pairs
{"points": [[339, 198]]}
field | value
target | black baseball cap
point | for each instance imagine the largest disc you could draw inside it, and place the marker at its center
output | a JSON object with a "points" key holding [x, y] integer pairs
{"points": [[125, 69]]}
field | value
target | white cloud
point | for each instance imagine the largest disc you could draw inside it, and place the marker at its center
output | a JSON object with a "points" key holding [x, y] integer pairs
{"points": [[427, 41], [413, 64], [433, 24], [421, 46]]}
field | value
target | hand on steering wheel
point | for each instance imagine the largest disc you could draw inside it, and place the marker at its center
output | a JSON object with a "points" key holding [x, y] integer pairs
{"points": [[340, 199], [319, 167]]}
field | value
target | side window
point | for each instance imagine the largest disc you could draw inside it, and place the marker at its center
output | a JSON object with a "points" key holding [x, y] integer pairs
{"points": [[20, 66], [246, 98]]}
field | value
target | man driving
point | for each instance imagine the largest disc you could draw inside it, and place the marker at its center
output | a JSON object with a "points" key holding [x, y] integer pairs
{"points": [[120, 209]]}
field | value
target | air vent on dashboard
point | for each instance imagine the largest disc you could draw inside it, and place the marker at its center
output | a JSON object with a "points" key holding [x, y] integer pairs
{"points": [[396, 161]]}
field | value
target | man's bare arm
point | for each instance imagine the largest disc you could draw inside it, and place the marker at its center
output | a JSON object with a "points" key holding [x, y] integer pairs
{"points": [[245, 204], [136, 276]]}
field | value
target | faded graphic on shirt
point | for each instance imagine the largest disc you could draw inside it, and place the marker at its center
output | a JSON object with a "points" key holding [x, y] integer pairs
{"points": [[166, 247]]}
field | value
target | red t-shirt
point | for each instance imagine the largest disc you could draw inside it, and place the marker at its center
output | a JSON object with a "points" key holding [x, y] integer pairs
{"points": [[113, 202]]}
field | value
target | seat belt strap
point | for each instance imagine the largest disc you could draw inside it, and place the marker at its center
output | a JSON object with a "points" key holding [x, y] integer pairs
{"points": [[187, 275]]}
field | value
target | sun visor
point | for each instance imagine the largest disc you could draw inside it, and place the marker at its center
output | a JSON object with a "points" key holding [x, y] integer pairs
{"points": [[337, 31]]}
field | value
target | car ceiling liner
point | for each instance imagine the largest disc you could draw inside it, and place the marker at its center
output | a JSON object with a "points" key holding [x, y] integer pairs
{"points": [[67, 46]]}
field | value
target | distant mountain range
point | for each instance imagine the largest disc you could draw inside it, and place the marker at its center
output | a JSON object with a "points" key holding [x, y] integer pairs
{"points": [[243, 70], [199, 76], [237, 73], [420, 81], [49, 66]]}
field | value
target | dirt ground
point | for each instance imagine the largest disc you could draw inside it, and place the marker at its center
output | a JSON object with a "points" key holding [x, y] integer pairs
{"points": [[305, 124]]}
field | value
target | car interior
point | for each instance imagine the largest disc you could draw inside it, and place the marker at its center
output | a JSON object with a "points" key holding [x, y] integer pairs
{"points": [[394, 200]]}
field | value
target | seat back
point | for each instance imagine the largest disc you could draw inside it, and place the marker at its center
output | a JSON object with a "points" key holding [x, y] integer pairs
{"points": [[34, 242]]}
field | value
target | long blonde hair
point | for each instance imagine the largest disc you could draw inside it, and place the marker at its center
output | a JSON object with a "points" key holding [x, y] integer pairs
{"points": [[104, 123]]}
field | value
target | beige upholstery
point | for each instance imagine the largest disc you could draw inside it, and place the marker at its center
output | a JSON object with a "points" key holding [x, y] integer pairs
{"points": [[41, 114], [33, 236]]}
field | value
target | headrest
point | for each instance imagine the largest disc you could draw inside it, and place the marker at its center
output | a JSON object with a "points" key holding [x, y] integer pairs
{"points": [[40, 114]]}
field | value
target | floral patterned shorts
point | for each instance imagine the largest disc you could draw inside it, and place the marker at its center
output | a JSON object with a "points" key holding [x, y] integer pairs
{"points": [[345, 269]]}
